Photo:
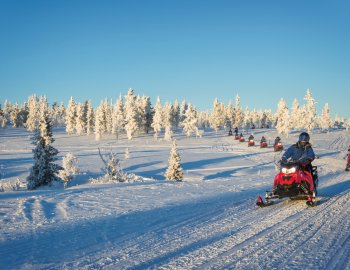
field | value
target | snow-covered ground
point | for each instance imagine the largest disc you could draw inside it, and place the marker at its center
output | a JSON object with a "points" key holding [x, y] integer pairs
{"points": [[208, 221]]}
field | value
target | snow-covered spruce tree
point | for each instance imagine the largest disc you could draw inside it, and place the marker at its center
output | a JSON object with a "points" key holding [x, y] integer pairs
{"points": [[71, 116], [99, 124], [183, 109], [15, 116], [248, 119], [167, 117], [33, 114], [217, 117], [310, 112], [239, 117], [269, 118], [131, 117], [230, 115], [282, 116], [176, 114], [80, 121], [325, 120], [44, 170], [118, 121], [69, 168], [157, 118], [89, 118], [174, 171], [190, 124], [203, 119]]}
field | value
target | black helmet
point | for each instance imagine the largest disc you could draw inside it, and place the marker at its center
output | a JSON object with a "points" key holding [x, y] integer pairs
{"points": [[304, 137]]}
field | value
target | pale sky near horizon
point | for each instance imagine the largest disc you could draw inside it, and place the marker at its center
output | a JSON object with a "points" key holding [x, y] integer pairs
{"points": [[186, 49]]}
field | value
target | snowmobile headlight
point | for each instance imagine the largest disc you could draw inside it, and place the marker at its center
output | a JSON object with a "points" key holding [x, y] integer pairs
{"points": [[288, 171]]}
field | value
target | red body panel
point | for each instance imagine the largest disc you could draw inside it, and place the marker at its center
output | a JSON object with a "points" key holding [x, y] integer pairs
{"points": [[263, 144], [294, 178]]}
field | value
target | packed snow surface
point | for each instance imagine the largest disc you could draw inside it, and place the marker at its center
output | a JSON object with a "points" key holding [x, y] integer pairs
{"points": [[208, 221]]}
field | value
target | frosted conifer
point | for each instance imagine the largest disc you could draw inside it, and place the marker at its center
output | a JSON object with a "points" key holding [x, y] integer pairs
{"points": [[190, 124], [71, 116], [44, 170], [118, 120], [69, 168], [325, 120], [309, 118], [157, 118], [131, 115], [239, 116], [174, 171], [282, 116]]}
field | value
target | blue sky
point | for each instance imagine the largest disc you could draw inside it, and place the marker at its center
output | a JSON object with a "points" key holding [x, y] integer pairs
{"points": [[193, 50]]}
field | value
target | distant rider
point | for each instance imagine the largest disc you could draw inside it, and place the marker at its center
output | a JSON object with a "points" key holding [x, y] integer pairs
{"points": [[263, 139], [251, 137], [277, 140]]}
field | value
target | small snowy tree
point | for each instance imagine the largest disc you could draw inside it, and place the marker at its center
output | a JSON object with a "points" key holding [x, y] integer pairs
{"points": [[157, 118], [112, 167], [230, 115], [33, 114], [89, 118], [44, 170], [71, 116], [239, 116], [174, 171], [167, 116], [69, 168], [190, 124], [217, 118], [80, 119], [282, 116], [325, 120], [131, 115], [118, 121], [310, 111]]}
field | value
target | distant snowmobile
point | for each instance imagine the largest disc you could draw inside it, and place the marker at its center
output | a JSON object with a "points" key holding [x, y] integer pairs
{"points": [[293, 181], [263, 144], [251, 142], [277, 147]]}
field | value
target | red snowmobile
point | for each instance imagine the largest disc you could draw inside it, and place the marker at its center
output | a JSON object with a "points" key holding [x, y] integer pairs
{"points": [[277, 147], [241, 139], [347, 168], [251, 142], [263, 144], [293, 181]]}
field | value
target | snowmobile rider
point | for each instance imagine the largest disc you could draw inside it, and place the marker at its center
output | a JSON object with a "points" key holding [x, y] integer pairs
{"points": [[277, 140], [236, 131], [263, 139], [251, 137], [301, 151]]}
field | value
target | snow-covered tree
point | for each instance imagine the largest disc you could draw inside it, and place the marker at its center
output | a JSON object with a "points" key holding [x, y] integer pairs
{"points": [[118, 117], [80, 119], [217, 117], [296, 115], [69, 168], [230, 115], [239, 116], [112, 167], [44, 170], [174, 171], [89, 118], [71, 116], [99, 124], [157, 118], [15, 115], [309, 112], [190, 124], [176, 114], [33, 114], [167, 121], [325, 120], [131, 116], [282, 116]]}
